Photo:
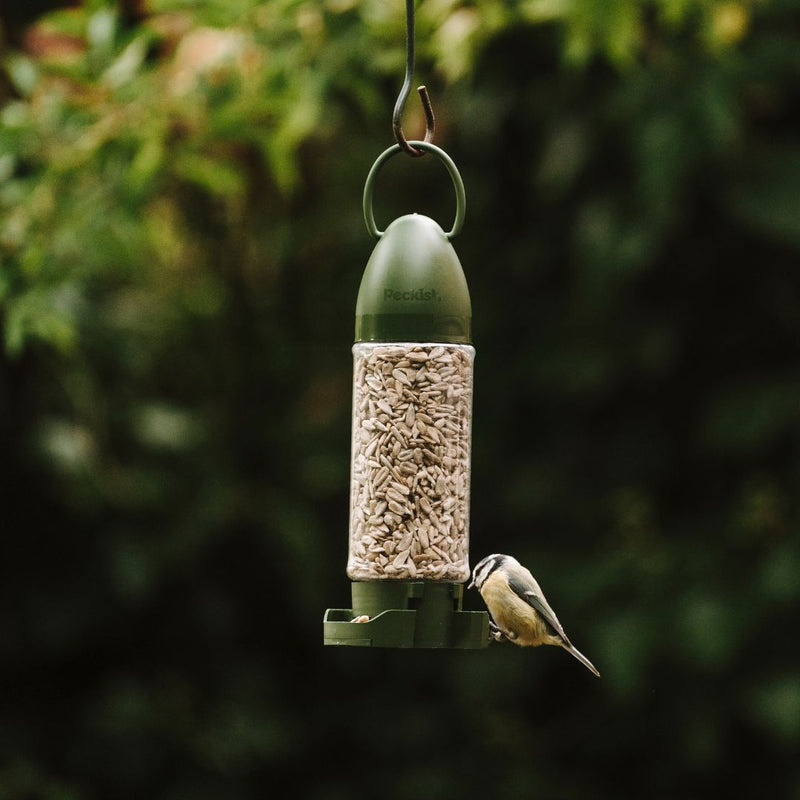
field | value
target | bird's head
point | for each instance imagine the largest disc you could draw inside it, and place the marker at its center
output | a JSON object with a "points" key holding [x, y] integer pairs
{"points": [[484, 568]]}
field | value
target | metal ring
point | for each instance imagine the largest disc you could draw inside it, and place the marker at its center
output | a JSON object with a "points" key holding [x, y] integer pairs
{"points": [[458, 185]]}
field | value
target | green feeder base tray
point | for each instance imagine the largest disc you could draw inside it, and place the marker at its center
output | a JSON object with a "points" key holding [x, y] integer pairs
{"points": [[418, 614]]}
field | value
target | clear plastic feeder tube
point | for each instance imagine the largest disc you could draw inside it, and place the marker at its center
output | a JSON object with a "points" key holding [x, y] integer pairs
{"points": [[410, 469]]}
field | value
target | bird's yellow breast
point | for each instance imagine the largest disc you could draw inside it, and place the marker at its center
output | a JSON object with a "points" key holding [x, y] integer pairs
{"points": [[511, 613]]}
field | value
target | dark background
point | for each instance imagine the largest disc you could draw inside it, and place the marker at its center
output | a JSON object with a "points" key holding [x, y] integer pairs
{"points": [[182, 243]]}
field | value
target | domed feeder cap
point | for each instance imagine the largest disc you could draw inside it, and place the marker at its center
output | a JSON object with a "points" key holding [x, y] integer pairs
{"points": [[413, 288]]}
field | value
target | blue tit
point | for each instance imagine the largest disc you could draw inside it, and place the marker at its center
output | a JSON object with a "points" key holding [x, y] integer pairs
{"points": [[518, 608]]}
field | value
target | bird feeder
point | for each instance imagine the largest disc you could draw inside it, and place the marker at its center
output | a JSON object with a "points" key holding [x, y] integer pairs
{"points": [[408, 555]]}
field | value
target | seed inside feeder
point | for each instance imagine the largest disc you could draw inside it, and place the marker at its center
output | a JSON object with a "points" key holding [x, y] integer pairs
{"points": [[412, 419]]}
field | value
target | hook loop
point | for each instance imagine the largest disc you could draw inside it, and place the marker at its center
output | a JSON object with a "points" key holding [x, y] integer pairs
{"points": [[455, 176], [430, 120]]}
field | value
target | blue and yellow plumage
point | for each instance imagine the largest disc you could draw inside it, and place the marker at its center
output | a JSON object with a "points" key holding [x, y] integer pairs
{"points": [[517, 605]]}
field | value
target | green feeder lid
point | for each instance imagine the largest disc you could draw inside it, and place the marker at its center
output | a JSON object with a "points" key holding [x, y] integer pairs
{"points": [[413, 288]]}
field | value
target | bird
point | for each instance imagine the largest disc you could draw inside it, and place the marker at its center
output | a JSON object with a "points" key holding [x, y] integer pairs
{"points": [[518, 608]]}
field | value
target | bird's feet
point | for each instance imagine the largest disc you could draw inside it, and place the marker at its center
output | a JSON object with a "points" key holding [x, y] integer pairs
{"points": [[495, 634]]}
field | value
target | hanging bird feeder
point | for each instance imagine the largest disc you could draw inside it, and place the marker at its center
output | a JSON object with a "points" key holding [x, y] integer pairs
{"points": [[413, 358]]}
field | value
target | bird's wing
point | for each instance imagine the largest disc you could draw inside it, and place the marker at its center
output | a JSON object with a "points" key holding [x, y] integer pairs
{"points": [[537, 601]]}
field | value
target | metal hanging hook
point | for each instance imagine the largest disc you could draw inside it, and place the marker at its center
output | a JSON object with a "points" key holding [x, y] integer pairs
{"points": [[430, 122]]}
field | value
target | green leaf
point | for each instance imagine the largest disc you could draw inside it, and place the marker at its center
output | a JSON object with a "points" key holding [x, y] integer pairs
{"points": [[44, 313], [23, 72], [101, 31], [126, 66], [217, 177]]}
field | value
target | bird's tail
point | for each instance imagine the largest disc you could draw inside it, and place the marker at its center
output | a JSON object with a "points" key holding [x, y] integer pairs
{"points": [[572, 650]]}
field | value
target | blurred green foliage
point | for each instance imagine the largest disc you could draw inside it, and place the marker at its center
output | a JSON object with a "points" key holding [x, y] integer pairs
{"points": [[181, 244]]}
